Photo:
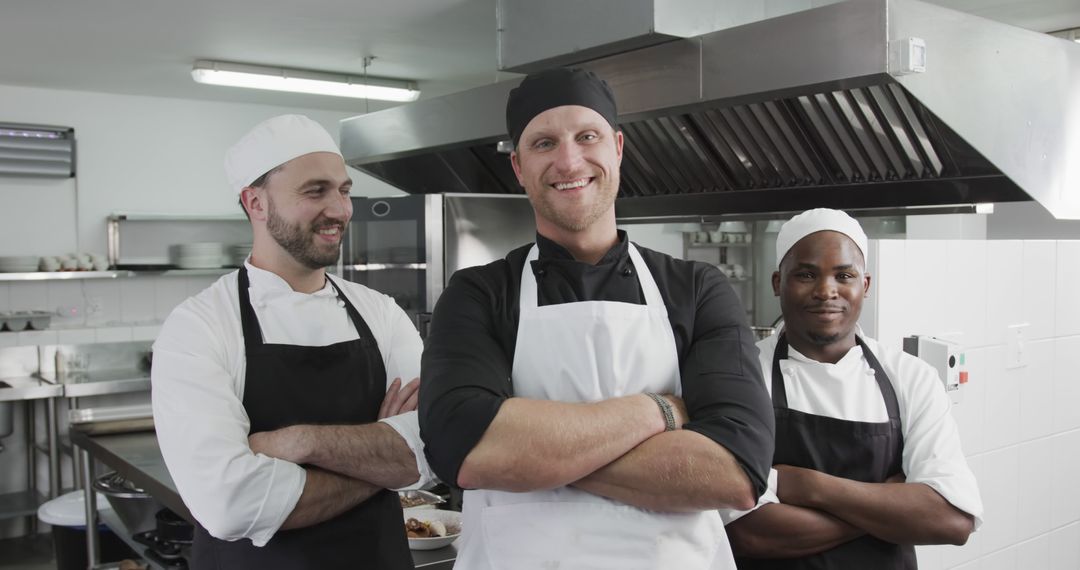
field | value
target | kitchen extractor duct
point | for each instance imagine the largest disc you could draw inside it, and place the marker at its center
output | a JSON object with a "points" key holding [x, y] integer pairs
{"points": [[858, 105]]}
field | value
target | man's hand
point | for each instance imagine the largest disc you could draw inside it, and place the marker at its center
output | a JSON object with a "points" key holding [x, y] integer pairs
{"points": [[400, 399], [288, 443]]}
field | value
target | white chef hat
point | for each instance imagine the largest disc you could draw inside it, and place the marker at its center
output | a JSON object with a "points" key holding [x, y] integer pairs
{"points": [[272, 143], [817, 220]]}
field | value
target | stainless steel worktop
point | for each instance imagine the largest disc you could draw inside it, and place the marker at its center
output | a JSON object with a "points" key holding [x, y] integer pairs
{"points": [[138, 458]]}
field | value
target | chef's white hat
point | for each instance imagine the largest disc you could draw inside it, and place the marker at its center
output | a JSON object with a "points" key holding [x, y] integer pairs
{"points": [[272, 143], [817, 220]]}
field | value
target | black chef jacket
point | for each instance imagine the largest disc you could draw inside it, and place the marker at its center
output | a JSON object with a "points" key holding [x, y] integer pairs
{"points": [[469, 351]]}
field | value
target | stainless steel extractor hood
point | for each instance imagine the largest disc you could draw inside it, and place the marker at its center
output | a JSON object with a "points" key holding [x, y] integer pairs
{"points": [[815, 108]]}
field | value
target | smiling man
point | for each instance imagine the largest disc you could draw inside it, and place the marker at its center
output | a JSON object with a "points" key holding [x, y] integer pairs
{"points": [[597, 400], [277, 391], [868, 460]]}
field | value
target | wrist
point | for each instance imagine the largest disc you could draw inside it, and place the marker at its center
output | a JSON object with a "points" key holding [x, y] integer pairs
{"points": [[819, 492], [667, 411]]}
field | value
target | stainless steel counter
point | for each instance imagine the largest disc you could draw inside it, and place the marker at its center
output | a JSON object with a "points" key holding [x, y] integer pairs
{"points": [[137, 457]]}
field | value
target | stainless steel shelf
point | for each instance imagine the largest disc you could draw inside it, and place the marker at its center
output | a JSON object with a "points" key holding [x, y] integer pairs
{"points": [[27, 388], [152, 217], [20, 504], [116, 274], [61, 275], [719, 244], [100, 382], [384, 266]]}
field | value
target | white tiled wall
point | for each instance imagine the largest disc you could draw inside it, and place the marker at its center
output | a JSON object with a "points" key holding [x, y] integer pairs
{"points": [[97, 310], [1020, 428]]}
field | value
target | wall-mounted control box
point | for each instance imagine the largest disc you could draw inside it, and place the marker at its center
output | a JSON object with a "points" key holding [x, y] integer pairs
{"points": [[945, 356]]}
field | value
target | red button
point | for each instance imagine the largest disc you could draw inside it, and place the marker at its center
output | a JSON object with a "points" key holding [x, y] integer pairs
{"points": [[963, 377]]}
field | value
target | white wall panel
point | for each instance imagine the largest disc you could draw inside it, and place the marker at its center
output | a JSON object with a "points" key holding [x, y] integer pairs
{"points": [[1066, 410], [1005, 287], [1039, 271], [1067, 307], [1037, 390]]}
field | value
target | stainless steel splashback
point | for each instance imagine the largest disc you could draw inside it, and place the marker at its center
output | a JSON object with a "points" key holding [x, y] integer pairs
{"points": [[480, 229], [813, 108], [408, 247]]}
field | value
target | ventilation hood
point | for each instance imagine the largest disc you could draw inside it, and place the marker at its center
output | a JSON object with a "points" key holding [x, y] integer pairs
{"points": [[822, 107]]}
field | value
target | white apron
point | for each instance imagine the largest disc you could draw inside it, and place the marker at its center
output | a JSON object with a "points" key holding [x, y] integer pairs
{"points": [[585, 352]]}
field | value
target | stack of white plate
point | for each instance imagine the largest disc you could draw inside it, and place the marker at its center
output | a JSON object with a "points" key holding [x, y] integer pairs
{"points": [[238, 254], [19, 264], [200, 255]]}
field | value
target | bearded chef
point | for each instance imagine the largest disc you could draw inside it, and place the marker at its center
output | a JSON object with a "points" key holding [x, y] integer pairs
{"points": [[868, 460], [277, 391], [597, 399]]}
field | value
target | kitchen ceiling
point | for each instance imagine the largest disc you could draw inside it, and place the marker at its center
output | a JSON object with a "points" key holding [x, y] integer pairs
{"points": [[148, 47]]}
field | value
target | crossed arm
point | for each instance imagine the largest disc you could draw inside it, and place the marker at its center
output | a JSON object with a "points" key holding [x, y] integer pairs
{"points": [[616, 448], [818, 512], [345, 464]]}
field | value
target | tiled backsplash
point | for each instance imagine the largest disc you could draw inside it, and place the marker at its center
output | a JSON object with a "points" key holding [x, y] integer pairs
{"points": [[97, 310], [1020, 427]]}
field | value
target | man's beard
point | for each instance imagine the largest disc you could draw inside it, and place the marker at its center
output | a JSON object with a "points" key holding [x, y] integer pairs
{"points": [[822, 339], [300, 241], [576, 219]]}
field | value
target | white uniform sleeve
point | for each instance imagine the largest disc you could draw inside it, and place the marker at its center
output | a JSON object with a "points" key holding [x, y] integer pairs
{"points": [[932, 453], [769, 496], [401, 356], [202, 429]]}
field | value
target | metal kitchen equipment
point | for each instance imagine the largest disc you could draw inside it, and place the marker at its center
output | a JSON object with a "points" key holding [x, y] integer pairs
{"points": [[136, 508], [856, 105], [409, 246]]}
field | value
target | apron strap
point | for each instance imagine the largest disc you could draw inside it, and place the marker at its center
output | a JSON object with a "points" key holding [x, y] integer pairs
{"points": [[779, 392], [883, 382], [253, 337], [888, 393], [362, 329]]}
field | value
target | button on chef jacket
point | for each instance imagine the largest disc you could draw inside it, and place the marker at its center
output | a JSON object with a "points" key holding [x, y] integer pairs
{"points": [[470, 348], [198, 390], [847, 390]]}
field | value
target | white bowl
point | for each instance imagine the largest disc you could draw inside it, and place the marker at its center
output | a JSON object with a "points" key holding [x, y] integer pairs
{"points": [[452, 520]]}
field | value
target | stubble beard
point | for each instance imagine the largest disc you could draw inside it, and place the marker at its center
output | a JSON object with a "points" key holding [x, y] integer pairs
{"points": [[822, 339], [299, 242], [574, 218]]}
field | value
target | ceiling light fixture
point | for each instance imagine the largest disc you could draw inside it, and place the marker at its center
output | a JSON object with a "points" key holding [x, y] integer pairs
{"points": [[303, 81]]}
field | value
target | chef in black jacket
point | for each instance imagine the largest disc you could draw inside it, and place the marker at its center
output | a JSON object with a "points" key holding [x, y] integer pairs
{"points": [[597, 400]]}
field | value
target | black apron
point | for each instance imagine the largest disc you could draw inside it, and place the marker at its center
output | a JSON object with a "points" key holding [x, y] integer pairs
{"points": [[861, 451], [285, 385]]}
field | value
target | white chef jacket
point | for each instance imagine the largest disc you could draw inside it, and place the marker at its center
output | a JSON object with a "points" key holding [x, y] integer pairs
{"points": [[198, 390], [848, 390]]}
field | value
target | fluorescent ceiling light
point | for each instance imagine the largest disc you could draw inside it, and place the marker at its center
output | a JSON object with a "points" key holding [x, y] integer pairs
{"points": [[302, 81]]}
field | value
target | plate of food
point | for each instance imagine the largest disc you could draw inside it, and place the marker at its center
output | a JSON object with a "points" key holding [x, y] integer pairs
{"points": [[419, 499], [429, 529]]}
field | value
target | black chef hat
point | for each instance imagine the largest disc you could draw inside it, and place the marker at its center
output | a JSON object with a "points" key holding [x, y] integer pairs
{"points": [[554, 88]]}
